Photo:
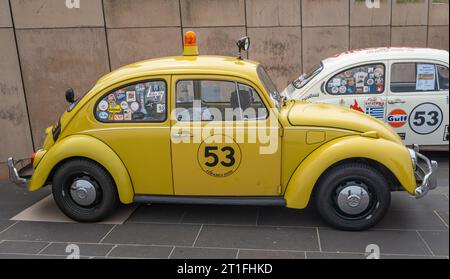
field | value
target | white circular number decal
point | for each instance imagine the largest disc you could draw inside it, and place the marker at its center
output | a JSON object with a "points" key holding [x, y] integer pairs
{"points": [[425, 118]]}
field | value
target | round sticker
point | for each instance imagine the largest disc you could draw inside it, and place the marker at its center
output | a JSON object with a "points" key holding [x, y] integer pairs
{"points": [[397, 118], [342, 89], [370, 81], [103, 105], [111, 97], [344, 82], [124, 105], [219, 156], [134, 106], [334, 90], [378, 72], [103, 115], [425, 118]]}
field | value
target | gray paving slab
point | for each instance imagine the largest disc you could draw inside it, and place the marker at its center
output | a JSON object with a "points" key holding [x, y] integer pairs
{"points": [[411, 220], [269, 254], [281, 216], [136, 251], [437, 241], [234, 215], [389, 241], [5, 224], [26, 256], [404, 201], [22, 247], [328, 255], [86, 250], [203, 253], [157, 213], [272, 238], [153, 234], [443, 216], [57, 232]]}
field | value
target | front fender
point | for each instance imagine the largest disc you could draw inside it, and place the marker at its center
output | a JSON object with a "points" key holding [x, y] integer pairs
{"points": [[392, 155], [87, 147]]}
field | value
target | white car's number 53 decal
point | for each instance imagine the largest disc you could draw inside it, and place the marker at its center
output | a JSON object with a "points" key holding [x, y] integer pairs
{"points": [[425, 118]]}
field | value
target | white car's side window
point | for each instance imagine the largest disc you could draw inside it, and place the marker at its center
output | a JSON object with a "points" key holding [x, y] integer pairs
{"points": [[418, 77], [442, 73], [366, 79]]}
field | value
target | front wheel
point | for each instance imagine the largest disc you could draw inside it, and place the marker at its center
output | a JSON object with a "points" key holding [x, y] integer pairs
{"points": [[84, 191], [353, 196]]}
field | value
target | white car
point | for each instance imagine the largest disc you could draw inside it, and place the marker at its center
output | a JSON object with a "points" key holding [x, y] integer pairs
{"points": [[404, 87]]}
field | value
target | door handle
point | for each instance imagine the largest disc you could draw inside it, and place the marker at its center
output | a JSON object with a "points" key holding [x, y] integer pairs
{"points": [[396, 101], [182, 135]]}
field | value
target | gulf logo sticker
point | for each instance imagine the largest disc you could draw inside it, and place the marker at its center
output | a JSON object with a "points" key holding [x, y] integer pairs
{"points": [[397, 118]]}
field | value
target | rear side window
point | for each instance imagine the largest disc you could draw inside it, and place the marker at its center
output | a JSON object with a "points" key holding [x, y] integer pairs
{"points": [[138, 102], [442, 73], [366, 79], [418, 77]]}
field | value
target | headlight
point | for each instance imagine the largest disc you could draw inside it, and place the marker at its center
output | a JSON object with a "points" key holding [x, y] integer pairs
{"points": [[412, 154]]}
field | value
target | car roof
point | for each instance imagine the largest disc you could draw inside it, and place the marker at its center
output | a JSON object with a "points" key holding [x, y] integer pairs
{"points": [[202, 64], [384, 53]]}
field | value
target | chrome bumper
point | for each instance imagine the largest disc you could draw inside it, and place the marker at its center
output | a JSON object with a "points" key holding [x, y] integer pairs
{"points": [[21, 175], [424, 171]]}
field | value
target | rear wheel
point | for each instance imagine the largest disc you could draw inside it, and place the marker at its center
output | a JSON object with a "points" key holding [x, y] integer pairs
{"points": [[84, 191], [353, 196]]}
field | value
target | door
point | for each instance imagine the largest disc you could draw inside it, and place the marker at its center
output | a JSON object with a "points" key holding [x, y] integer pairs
{"points": [[418, 102], [361, 88], [224, 140]]}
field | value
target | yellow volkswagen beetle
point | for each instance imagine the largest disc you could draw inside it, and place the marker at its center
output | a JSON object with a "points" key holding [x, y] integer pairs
{"points": [[214, 130]]}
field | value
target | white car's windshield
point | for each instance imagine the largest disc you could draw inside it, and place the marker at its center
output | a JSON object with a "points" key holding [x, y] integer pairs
{"points": [[303, 79]]}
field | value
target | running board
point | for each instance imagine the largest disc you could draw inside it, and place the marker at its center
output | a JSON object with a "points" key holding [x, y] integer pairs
{"points": [[263, 201]]}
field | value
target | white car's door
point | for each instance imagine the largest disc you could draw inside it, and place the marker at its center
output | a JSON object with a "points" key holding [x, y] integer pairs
{"points": [[360, 87], [418, 102]]}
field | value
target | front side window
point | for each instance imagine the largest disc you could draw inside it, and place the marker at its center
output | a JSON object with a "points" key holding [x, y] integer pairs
{"points": [[418, 77], [138, 102], [366, 79], [216, 100]]}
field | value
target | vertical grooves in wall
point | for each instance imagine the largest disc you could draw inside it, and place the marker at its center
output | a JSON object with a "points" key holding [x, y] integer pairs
{"points": [[21, 75], [349, 16], [245, 22], [181, 25], [429, 3], [106, 35], [301, 36], [390, 27]]}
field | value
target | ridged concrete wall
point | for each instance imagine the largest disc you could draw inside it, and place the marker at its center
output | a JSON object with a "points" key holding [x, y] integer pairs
{"points": [[46, 47]]}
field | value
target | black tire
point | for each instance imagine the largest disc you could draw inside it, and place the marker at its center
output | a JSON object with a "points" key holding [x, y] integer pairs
{"points": [[106, 198], [336, 179]]}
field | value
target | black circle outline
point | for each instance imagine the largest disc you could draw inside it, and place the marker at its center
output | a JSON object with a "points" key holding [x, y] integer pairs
{"points": [[240, 151], [426, 103]]}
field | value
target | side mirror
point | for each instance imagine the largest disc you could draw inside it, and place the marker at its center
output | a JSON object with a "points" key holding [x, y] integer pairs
{"points": [[243, 45], [70, 95]]}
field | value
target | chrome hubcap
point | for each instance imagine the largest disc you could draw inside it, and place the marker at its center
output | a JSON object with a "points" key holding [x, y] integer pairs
{"points": [[353, 199], [83, 192]]}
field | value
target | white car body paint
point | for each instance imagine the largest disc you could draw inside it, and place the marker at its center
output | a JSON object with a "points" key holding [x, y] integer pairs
{"points": [[427, 113]]}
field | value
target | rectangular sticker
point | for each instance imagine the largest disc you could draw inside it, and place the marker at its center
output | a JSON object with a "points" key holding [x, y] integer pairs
{"points": [[426, 77]]}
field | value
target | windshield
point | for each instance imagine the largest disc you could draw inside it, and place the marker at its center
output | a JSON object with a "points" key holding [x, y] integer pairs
{"points": [[269, 86], [304, 79]]}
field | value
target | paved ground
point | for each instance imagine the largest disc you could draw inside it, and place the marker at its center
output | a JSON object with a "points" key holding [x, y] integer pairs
{"points": [[412, 229]]}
